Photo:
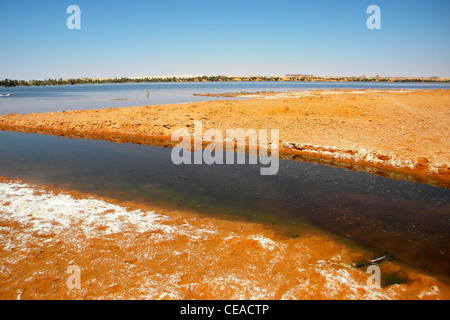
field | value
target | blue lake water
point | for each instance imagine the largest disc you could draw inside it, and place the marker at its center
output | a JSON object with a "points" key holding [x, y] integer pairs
{"points": [[97, 96]]}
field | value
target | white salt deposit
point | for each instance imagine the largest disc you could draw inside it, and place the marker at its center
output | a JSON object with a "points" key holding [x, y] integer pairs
{"points": [[47, 212]]}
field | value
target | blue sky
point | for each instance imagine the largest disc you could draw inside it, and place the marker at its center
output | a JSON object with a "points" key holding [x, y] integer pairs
{"points": [[246, 37]]}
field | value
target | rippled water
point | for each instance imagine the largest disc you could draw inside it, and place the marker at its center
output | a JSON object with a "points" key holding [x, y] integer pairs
{"points": [[410, 219]]}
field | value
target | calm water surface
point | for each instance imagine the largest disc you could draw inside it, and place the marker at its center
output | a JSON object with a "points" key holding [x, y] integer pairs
{"points": [[410, 219]]}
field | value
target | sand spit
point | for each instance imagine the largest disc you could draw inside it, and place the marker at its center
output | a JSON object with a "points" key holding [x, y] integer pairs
{"points": [[285, 94], [130, 251], [396, 133]]}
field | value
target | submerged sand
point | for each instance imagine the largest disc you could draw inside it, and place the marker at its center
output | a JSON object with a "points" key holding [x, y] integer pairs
{"points": [[133, 251], [396, 133]]}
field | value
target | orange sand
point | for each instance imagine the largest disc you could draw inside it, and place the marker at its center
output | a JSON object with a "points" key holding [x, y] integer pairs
{"points": [[389, 132], [398, 133], [187, 257]]}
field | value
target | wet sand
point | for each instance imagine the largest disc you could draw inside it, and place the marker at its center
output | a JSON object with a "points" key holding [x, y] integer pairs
{"points": [[398, 133], [128, 250]]}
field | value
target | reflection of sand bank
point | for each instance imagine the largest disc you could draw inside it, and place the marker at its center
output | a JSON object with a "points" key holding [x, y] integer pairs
{"points": [[127, 250], [395, 131]]}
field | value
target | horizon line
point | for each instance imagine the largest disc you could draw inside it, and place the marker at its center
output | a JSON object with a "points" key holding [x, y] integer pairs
{"points": [[193, 76]]}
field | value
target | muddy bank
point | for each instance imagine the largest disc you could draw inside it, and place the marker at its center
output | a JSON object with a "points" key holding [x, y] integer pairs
{"points": [[128, 250], [395, 133]]}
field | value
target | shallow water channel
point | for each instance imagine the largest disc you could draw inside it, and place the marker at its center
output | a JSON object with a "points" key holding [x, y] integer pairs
{"points": [[410, 219]]}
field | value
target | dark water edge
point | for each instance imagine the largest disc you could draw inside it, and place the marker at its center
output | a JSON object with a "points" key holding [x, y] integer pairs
{"points": [[410, 219]]}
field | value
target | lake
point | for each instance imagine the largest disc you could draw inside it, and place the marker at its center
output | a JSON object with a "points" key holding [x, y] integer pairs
{"points": [[98, 96]]}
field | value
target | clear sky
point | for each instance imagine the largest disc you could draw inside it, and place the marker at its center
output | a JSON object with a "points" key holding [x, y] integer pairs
{"points": [[227, 37]]}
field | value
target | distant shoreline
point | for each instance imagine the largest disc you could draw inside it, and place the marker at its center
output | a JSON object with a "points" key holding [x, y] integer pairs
{"points": [[297, 78]]}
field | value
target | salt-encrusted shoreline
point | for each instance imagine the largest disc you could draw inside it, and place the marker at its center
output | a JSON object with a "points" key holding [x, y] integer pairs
{"points": [[397, 133], [129, 251], [371, 161], [385, 165]]}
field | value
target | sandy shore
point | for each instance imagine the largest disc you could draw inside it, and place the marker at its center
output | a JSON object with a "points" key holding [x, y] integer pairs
{"points": [[134, 251], [396, 133], [130, 250]]}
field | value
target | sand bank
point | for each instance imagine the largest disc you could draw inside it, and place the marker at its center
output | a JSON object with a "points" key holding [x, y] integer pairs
{"points": [[396, 133], [133, 251]]}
